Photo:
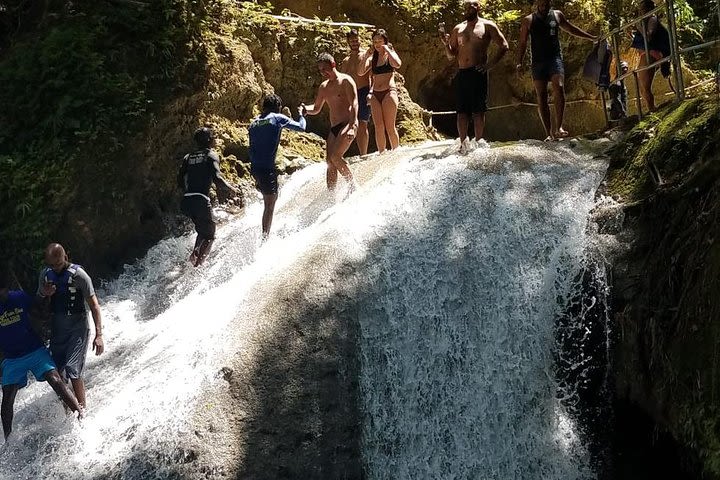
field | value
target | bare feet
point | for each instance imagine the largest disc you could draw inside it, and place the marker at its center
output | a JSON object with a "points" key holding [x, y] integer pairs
{"points": [[549, 138], [193, 259], [561, 133]]}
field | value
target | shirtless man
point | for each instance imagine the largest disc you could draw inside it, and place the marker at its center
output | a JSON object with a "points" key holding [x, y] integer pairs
{"points": [[469, 43], [547, 62], [352, 64], [340, 93]]}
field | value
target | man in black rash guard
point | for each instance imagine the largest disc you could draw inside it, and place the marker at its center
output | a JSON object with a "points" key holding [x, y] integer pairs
{"points": [[199, 170], [547, 62]]}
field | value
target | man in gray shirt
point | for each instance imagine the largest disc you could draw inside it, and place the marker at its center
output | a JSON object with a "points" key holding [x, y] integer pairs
{"points": [[69, 288]]}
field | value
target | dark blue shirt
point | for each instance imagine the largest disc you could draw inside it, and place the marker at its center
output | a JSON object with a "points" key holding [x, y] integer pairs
{"points": [[17, 337], [265, 137]]}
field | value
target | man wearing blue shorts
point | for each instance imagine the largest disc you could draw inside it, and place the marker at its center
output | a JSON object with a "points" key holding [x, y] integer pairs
{"points": [[264, 132], [23, 351], [543, 27]]}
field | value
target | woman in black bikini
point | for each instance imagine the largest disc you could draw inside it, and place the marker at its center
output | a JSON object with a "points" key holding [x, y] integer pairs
{"points": [[383, 95]]}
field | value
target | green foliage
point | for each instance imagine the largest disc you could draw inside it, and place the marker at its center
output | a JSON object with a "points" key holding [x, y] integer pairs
{"points": [[76, 92]]}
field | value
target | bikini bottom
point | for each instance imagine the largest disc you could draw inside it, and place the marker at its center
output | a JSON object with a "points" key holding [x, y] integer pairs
{"points": [[380, 94]]}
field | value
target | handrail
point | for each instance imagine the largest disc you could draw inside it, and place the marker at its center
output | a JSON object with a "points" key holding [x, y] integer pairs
{"points": [[643, 68], [698, 47], [633, 22]]}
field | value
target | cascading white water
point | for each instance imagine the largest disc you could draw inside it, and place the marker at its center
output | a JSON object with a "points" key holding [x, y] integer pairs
{"points": [[476, 263], [469, 260]]}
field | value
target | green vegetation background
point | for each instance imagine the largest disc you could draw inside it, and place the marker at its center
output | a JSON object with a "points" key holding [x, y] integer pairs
{"points": [[83, 80]]}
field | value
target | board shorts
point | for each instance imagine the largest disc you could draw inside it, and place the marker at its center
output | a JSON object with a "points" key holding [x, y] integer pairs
{"points": [[471, 91], [266, 180], [363, 106], [544, 70], [14, 370]]}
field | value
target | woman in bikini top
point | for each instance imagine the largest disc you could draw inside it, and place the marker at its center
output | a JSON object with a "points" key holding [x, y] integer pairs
{"points": [[381, 60]]}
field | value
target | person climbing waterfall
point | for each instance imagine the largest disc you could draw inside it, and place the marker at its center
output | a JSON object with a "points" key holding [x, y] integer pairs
{"points": [[469, 43], [23, 351], [198, 171], [68, 288], [547, 60], [340, 93], [264, 132]]}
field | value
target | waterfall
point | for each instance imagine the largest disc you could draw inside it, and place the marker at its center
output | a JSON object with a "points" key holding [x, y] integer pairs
{"points": [[460, 267]]}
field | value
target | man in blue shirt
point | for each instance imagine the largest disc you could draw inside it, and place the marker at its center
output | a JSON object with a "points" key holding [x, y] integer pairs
{"points": [[264, 140], [23, 351]]}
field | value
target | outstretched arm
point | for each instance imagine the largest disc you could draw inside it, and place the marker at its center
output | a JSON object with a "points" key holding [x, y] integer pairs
{"points": [[317, 105], [218, 178], [572, 29], [290, 124]]}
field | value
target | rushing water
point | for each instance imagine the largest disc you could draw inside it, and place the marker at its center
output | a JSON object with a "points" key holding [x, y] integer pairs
{"points": [[470, 259]]}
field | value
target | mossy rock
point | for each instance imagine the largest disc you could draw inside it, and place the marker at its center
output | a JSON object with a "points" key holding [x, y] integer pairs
{"points": [[666, 142]]}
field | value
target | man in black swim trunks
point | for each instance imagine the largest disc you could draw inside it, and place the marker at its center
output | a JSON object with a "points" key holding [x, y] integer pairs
{"points": [[340, 93], [469, 43], [199, 169], [547, 63]]}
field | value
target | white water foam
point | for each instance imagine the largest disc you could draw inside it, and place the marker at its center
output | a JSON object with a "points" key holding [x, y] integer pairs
{"points": [[470, 259]]}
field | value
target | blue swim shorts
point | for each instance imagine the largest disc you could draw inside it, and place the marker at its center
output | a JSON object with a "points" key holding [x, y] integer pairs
{"points": [[545, 70], [14, 370], [363, 107]]}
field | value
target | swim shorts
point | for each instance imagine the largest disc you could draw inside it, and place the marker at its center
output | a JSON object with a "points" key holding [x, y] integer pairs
{"points": [[14, 370], [471, 90]]}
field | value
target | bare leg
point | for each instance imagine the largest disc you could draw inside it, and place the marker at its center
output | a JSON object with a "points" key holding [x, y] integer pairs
{"points": [[463, 122], [199, 255], [6, 411], [78, 386], [645, 79], [363, 137], [331, 173], [335, 155], [61, 388], [389, 113], [268, 212], [479, 123], [558, 86], [377, 118], [543, 107]]}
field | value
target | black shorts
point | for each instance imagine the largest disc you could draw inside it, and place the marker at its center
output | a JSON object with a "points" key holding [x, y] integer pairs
{"points": [[471, 90], [266, 181], [197, 207]]}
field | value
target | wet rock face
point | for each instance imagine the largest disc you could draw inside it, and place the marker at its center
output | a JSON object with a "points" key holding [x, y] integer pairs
{"points": [[665, 281]]}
